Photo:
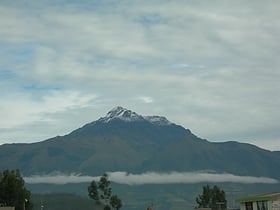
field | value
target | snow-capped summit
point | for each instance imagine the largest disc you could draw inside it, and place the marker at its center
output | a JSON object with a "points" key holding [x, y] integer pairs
{"points": [[130, 116], [122, 114], [158, 120]]}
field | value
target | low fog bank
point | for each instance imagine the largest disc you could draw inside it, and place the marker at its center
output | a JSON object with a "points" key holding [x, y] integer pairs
{"points": [[150, 178]]}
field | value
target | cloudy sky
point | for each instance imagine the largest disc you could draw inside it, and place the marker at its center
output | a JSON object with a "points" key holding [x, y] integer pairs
{"points": [[211, 66]]}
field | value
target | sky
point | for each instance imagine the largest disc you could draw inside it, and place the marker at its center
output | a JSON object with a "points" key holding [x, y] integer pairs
{"points": [[210, 66]]}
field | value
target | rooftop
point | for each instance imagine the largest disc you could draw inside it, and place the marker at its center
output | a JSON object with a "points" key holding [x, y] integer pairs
{"points": [[268, 196]]}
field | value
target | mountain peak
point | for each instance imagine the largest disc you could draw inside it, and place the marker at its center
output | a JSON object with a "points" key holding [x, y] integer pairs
{"points": [[127, 115], [122, 114]]}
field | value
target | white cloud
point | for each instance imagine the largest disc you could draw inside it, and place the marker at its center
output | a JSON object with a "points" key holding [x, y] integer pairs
{"points": [[37, 109], [59, 179], [152, 178], [146, 99]]}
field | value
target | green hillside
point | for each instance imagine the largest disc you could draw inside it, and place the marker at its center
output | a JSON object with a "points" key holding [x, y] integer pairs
{"points": [[139, 197]]}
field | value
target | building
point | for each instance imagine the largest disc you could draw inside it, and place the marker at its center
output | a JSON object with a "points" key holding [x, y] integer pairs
{"points": [[269, 201]]}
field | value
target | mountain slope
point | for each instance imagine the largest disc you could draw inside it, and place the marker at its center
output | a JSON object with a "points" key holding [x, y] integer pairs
{"points": [[126, 141]]}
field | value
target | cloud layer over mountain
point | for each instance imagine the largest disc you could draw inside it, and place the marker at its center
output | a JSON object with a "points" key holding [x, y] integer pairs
{"points": [[151, 178]]}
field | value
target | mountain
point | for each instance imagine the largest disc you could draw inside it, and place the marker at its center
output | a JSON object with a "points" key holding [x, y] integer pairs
{"points": [[126, 141]]}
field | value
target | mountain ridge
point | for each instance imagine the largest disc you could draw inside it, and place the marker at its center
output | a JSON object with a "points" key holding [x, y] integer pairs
{"points": [[126, 141]]}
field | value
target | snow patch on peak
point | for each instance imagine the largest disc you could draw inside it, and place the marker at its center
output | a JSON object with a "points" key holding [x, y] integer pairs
{"points": [[158, 120], [117, 111], [123, 114]]}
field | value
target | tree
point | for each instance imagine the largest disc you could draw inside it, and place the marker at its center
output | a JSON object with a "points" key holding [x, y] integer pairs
{"points": [[101, 193], [213, 198], [13, 192], [115, 202]]}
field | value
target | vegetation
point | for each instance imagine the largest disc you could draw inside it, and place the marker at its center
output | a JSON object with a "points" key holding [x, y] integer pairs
{"points": [[213, 198], [101, 193], [13, 192], [61, 201]]}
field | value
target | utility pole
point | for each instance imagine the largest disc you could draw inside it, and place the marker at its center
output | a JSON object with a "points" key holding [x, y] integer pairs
{"points": [[24, 203], [42, 206]]}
